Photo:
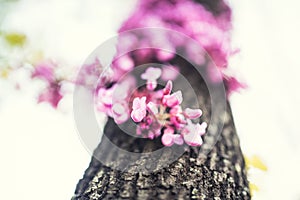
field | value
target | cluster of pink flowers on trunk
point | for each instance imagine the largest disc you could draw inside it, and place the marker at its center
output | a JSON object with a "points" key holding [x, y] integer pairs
{"points": [[157, 112], [211, 30]]}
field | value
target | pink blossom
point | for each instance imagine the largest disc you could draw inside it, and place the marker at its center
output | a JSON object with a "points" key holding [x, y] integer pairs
{"points": [[173, 99], [44, 71], [151, 75], [214, 74], [192, 113], [167, 139], [157, 94], [210, 30], [192, 133], [138, 109], [168, 88], [163, 55], [105, 95], [104, 108], [177, 138], [169, 73], [192, 139], [90, 73], [123, 88], [105, 100], [178, 120], [154, 132], [169, 130], [175, 110], [233, 84], [201, 128], [154, 111], [51, 95], [125, 63], [120, 112]]}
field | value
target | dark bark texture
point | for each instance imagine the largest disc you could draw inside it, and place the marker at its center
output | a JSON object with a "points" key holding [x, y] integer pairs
{"points": [[198, 173]]}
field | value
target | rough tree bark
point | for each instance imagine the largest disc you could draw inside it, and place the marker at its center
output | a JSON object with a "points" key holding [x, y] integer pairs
{"points": [[220, 174]]}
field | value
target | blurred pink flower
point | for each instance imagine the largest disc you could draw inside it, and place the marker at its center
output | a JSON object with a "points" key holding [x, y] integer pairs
{"points": [[124, 63], [138, 109], [177, 138], [233, 84], [169, 73], [167, 139], [51, 95], [120, 112], [192, 133], [173, 99], [192, 113], [44, 71], [151, 75], [168, 88], [209, 27]]}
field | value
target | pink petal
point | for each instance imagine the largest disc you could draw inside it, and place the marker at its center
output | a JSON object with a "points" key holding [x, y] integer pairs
{"points": [[124, 63], [178, 139], [176, 110], [157, 132], [105, 95], [151, 74], [138, 115], [168, 88], [152, 108], [167, 140], [45, 72], [123, 89], [178, 121], [51, 95], [157, 94], [164, 55], [151, 135], [139, 103], [193, 139], [169, 73], [192, 113], [178, 95], [122, 118], [201, 129], [173, 100], [169, 130], [104, 108], [119, 109], [120, 112], [151, 85]]}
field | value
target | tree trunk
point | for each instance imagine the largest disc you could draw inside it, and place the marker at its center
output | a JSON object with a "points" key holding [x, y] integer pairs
{"points": [[218, 174]]}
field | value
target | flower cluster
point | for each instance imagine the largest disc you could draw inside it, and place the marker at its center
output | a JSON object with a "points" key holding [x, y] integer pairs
{"points": [[185, 16], [195, 20], [157, 112]]}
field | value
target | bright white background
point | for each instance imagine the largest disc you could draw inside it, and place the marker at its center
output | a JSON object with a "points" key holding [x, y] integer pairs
{"points": [[41, 153]]}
